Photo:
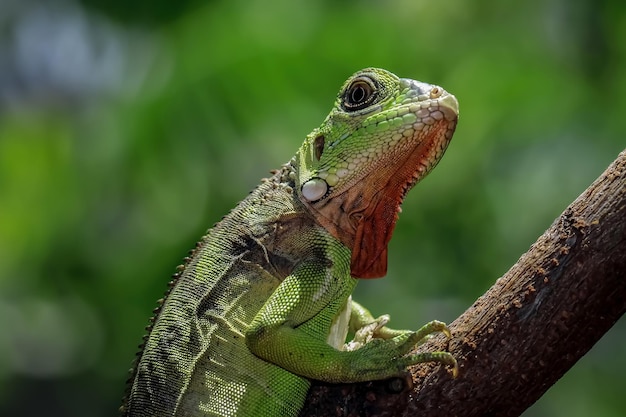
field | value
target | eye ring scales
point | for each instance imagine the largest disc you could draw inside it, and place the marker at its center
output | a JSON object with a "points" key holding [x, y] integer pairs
{"points": [[361, 93]]}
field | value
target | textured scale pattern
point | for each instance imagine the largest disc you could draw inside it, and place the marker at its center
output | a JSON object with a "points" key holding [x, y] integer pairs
{"points": [[262, 304], [199, 352]]}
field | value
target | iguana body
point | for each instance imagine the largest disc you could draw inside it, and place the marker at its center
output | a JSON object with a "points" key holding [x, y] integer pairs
{"points": [[263, 303]]}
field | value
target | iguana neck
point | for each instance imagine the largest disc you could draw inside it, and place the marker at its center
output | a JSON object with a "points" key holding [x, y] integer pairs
{"points": [[363, 217]]}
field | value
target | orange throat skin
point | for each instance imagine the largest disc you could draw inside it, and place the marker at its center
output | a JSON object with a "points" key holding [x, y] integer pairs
{"points": [[363, 214]]}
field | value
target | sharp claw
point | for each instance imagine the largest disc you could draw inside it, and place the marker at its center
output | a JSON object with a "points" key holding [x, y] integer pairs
{"points": [[446, 332], [455, 370]]}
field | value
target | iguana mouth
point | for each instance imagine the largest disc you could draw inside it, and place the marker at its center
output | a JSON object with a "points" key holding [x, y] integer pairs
{"points": [[376, 223], [431, 151], [429, 145], [432, 144]]}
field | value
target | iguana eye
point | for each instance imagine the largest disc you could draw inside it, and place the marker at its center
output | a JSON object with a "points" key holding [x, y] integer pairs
{"points": [[361, 93]]}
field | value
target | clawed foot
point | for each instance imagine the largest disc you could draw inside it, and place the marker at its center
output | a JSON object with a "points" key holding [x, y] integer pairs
{"points": [[425, 333], [374, 336]]}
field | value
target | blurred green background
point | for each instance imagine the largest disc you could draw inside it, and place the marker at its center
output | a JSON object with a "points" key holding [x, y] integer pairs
{"points": [[128, 128]]}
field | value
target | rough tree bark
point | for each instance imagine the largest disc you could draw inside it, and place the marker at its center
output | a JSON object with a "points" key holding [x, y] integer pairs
{"points": [[529, 328]]}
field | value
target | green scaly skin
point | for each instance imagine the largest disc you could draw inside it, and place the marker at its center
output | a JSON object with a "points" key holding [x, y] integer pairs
{"points": [[263, 304]]}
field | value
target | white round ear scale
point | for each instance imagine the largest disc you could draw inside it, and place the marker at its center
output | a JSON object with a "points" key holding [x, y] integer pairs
{"points": [[314, 189]]}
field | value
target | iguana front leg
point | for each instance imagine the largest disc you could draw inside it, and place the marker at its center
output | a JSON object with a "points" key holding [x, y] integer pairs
{"points": [[290, 329], [366, 328]]}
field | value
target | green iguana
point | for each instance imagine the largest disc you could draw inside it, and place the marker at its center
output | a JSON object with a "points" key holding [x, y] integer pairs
{"points": [[263, 303]]}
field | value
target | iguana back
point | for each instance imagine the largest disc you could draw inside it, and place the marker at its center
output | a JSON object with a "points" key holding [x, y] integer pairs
{"points": [[196, 356]]}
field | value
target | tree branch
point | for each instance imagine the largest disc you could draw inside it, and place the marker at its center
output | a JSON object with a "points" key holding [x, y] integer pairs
{"points": [[529, 328]]}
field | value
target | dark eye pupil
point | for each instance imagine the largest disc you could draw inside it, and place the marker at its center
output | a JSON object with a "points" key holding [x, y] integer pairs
{"points": [[358, 94]]}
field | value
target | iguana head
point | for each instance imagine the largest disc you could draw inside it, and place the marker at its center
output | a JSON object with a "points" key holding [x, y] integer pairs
{"points": [[383, 135]]}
